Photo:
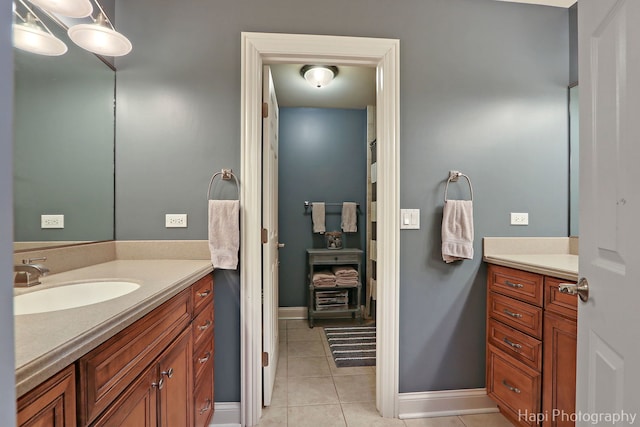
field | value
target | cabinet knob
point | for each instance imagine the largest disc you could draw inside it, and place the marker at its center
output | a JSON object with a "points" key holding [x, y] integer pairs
{"points": [[204, 294], [168, 373], [206, 407], [205, 326], [159, 384], [205, 358]]}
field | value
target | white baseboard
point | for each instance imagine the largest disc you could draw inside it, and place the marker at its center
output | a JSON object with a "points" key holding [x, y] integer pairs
{"points": [[290, 313], [226, 414], [445, 403]]}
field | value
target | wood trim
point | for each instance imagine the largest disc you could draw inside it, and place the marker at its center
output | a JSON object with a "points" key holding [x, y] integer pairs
{"points": [[259, 48]]}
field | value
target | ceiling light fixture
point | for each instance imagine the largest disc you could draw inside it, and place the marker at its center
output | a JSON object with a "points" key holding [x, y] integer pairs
{"points": [[319, 75], [30, 36], [100, 37], [70, 8]]}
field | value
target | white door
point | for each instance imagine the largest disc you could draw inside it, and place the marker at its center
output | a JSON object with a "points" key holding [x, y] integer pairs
{"points": [[608, 373], [270, 262]]}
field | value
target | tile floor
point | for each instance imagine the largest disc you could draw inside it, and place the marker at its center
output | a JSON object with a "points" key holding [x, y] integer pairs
{"points": [[311, 391]]}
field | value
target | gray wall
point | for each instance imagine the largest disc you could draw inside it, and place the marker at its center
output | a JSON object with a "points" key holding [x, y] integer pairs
{"points": [[323, 157], [483, 90], [573, 43], [7, 362]]}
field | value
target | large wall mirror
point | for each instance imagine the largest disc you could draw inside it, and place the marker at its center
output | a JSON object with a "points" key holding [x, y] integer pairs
{"points": [[574, 163], [63, 145]]}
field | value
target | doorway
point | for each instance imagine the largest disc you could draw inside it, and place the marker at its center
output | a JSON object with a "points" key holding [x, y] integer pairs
{"points": [[260, 48]]}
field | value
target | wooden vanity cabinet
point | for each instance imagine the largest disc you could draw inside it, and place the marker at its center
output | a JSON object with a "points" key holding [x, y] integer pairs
{"points": [[531, 346], [51, 404]]}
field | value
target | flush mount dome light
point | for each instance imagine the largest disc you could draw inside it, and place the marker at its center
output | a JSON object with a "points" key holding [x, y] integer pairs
{"points": [[70, 8], [28, 36], [319, 75], [100, 38]]}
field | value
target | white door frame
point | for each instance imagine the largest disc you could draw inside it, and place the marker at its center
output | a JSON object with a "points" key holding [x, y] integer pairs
{"points": [[271, 48]]}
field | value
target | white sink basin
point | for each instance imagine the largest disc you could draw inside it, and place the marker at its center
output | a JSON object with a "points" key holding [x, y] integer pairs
{"points": [[71, 296]]}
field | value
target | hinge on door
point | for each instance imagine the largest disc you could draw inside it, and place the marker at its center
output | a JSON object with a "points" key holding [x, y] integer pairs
{"points": [[265, 359], [265, 110], [265, 235]]}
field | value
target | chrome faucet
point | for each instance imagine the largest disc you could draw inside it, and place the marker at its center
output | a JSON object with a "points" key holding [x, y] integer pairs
{"points": [[28, 273]]}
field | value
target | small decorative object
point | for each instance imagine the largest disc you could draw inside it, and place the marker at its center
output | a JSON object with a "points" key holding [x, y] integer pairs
{"points": [[333, 239]]}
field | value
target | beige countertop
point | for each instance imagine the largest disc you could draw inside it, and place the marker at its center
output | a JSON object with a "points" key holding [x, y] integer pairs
{"points": [[551, 256], [48, 342], [563, 266]]}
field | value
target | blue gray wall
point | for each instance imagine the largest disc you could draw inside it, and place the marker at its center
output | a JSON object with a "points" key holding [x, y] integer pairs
{"points": [[323, 157], [483, 90], [7, 362]]}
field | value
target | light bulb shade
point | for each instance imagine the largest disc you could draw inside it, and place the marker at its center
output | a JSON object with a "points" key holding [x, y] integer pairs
{"points": [[319, 75], [99, 39], [70, 8], [32, 39]]}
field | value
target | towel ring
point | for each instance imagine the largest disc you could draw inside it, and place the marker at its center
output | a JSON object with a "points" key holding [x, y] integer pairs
{"points": [[453, 177], [227, 174]]}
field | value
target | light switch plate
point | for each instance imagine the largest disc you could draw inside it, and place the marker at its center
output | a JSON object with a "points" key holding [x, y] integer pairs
{"points": [[409, 219]]}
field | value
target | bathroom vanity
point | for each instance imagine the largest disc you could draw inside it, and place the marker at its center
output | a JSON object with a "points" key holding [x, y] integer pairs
{"points": [[144, 359], [531, 335]]}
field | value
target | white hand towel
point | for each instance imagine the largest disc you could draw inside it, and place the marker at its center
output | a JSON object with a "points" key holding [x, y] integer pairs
{"points": [[317, 216], [457, 230], [224, 233], [349, 217]]}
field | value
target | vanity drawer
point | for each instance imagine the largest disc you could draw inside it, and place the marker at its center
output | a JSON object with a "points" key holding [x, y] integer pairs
{"points": [[556, 301], [203, 325], [108, 370], [514, 385], [522, 347], [203, 359], [202, 293], [203, 396], [518, 284], [522, 316]]}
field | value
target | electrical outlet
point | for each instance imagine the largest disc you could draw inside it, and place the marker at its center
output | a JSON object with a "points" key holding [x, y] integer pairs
{"points": [[519, 218], [51, 221], [175, 220]]}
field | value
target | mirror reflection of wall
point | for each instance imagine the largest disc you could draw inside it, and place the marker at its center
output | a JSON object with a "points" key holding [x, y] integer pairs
{"points": [[574, 156], [63, 144]]}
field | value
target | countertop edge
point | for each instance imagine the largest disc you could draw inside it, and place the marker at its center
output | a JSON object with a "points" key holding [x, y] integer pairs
{"points": [[532, 268], [40, 369]]}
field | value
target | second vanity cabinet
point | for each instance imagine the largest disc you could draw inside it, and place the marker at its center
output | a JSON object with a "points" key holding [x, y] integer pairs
{"points": [[156, 372], [531, 346]]}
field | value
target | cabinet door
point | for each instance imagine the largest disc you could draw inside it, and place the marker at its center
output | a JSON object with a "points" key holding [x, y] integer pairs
{"points": [[137, 406], [559, 376], [176, 392], [51, 404]]}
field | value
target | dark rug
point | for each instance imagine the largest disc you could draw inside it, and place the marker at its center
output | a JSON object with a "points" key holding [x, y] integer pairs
{"points": [[352, 345]]}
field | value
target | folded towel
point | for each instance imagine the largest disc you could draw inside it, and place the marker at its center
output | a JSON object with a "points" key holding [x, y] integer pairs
{"points": [[317, 216], [349, 217], [457, 230], [224, 233], [347, 282], [344, 271]]}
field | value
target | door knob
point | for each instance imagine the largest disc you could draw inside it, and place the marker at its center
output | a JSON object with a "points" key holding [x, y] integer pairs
{"points": [[280, 245], [581, 289]]}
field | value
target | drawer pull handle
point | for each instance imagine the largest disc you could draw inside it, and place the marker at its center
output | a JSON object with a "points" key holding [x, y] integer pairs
{"points": [[205, 358], [513, 345], [159, 384], [168, 373], [510, 387], [204, 294], [514, 285], [205, 326], [515, 315], [206, 408]]}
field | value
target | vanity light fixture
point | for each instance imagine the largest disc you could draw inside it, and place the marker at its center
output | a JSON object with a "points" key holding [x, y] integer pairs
{"points": [[100, 37], [319, 75], [70, 8], [30, 36]]}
